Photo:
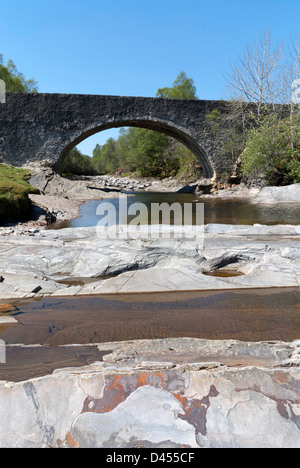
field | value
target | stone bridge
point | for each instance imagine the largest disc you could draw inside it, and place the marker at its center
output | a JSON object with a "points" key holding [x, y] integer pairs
{"points": [[45, 127]]}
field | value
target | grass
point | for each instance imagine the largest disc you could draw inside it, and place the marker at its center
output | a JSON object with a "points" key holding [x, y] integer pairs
{"points": [[14, 190]]}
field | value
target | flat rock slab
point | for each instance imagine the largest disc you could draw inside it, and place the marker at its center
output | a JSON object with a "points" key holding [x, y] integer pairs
{"points": [[130, 400], [81, 261], [7, 320]]}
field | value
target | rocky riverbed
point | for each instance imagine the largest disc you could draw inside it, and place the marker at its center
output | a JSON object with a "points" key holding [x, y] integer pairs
{"points": [[36, 261], [89, 187], [167, 393], [172, 393], [85, 261]]}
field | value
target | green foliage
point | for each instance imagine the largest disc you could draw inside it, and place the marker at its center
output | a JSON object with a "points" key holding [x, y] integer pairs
{"points": [[186, 164], [145, 152], [76, 163], [214, 116], [183, 88], [273, 150], [15, 81], [14, 190], [233, 145], [105, 158], [137, 150]]}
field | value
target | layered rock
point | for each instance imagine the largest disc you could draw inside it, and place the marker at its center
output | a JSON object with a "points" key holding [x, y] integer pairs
{"points": [[165, 393], [84, 261]]}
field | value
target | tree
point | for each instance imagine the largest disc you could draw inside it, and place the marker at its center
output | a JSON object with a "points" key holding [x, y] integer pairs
{"points": [[145, 151], [261, 134], [15, 82], [183, 88], [105, 158], [294, 78], [76, 163], [257, 77]]}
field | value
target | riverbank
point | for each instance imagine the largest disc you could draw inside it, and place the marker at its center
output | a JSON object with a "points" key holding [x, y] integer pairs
{"points": [[55, 198], [14, 190]]}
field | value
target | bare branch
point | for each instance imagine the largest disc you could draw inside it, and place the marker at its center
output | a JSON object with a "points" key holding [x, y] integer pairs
{"points": [[257, 77]]}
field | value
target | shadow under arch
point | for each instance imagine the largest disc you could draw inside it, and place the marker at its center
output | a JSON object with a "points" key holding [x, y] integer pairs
{"points": [[155, 125]]}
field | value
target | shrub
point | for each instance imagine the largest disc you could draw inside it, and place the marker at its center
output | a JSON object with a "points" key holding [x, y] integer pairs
{"points": [[273, 151]]}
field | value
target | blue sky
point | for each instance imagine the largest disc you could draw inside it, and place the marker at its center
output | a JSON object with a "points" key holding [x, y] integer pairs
{"points": [[131, 47]]}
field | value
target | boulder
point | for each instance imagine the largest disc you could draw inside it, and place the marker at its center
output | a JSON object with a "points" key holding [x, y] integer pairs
{"points": [[289, 194]]}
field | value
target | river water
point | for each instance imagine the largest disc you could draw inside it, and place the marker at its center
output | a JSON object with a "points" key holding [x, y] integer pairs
{"points": [[249, 315], [55, 323], [216, 210]]}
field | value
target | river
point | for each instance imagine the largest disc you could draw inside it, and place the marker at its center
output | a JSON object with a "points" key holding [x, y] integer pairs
{"points": [[56, 323], [216, 210], [248, 315]]}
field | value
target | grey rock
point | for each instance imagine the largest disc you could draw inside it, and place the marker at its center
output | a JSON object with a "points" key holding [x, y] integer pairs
{"points": [[287, 194], [251, 400], [266, 256]]}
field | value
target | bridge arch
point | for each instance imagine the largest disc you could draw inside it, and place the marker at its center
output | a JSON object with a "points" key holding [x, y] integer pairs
{"points": [[169, 129]]}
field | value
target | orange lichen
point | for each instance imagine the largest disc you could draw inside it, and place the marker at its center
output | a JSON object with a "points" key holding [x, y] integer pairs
{"points": [[70, 442], [118, 388], [142, 380]]}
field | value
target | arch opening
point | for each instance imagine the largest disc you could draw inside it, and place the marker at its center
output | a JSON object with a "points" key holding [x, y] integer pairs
{"points": [[174, 132]]}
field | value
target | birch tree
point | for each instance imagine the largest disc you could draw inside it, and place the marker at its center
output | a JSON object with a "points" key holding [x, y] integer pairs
{"points": [[295, 75], [257, 76]]}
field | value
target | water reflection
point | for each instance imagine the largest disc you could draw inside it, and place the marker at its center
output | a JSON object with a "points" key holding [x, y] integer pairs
{"points": [[216, 211]]}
